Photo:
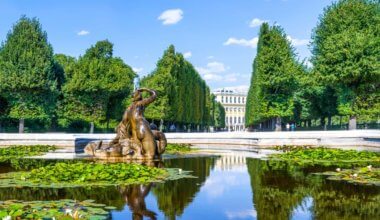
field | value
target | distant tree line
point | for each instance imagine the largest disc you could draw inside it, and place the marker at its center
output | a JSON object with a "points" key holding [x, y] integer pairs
{"points": [[185, 99], [342, 83], [50, 91]]}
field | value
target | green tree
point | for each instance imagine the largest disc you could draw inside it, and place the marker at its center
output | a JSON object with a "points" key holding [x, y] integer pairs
{"points": [[346, 54], [27, 78], [95, 87], [175, 79], [273, 79]]}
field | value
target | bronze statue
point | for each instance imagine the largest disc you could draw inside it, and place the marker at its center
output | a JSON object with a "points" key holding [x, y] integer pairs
{"points": [[134, 137]]}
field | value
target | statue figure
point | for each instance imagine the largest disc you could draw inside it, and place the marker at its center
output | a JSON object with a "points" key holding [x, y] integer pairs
{"points": [[134, 137]]}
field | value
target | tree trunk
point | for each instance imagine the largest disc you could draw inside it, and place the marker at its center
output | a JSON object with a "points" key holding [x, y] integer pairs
{"points": [[323, 123], [309, 123], [329, 121], [278, 124], [21, 125], [92, 126], [352, 123]]}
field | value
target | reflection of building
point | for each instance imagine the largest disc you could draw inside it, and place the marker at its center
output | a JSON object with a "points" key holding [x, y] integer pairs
{"points": [[231, 161], [234, 104]]}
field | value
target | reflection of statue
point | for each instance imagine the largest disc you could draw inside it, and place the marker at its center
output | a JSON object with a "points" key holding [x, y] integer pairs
{"points": [[135, 197], [134, 138]]}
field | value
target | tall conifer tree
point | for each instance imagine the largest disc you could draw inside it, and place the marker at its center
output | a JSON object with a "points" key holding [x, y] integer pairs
{"points": [[27, 78]]}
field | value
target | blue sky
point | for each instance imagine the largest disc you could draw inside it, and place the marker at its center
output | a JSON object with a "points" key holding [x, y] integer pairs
{"points": [[217, 36]]}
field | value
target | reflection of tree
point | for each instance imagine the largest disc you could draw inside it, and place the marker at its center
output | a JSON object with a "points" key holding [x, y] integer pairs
{"points": [[174, 196], [279, 187], [275, 193], [335, 200]]}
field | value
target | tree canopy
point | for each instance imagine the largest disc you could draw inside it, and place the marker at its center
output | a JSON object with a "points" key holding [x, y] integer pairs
{"points": [[346, 54], [96, 85], [27, 78], [183, 96], [273, 80]]}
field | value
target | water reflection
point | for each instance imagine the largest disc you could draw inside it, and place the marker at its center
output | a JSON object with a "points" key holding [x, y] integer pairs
{"points": [[135, 198], [227, 187]]}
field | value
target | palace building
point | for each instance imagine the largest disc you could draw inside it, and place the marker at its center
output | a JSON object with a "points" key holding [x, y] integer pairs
{"points": [[234, 104]]}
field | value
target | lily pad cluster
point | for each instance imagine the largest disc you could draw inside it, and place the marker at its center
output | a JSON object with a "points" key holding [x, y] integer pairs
{"points": [[366, 175], [82, 173], [61, 209], [19, 151], [322, 154], [178, 148]]}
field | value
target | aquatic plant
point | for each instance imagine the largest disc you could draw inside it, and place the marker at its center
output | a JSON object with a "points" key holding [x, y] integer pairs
{"points": [[366, 175], [19, 151], [178, 148], [61, 209], [74, 174], [322, 154]]}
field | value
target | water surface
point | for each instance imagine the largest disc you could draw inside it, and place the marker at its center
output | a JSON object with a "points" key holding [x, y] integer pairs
{"points": [[230, 186]]}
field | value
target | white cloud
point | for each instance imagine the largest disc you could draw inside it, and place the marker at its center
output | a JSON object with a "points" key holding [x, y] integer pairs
{"points": [[188, 54], [212, 71], [212, 67], [210, 57], [256, 22], [241, 88], [298, 42], [242, 42], [171, 16], [137, 70], [83, 33], [242, 214]]}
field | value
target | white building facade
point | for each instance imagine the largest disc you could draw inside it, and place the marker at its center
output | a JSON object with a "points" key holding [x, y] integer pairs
{"points": [[234, 105]]}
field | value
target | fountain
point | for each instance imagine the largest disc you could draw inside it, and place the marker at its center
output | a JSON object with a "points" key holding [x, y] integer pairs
{"points": [[135, 139]]}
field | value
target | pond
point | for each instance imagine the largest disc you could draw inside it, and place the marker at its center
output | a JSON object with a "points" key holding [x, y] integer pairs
{"points": [[228, 186]]}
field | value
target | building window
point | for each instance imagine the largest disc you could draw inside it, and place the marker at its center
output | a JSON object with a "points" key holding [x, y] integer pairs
{"points": [[230, 99], [239, 120], [222, 99], [226, 109], [234, 99], [226, 120], [226, 99], [243, 100], [234, 120], [239, 100], [243, 120], [231, 120]]}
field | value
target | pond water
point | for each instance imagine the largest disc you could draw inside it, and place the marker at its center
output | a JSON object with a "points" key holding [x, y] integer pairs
{"points": [[230, 186]]}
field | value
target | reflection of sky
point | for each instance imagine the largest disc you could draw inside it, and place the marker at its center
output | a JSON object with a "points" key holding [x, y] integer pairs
{"points": [[225, 195], [302, 211]]}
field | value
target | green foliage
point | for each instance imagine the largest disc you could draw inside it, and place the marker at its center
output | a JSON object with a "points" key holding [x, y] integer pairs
{"points": [[27, 78], [178, 148], [321, 154], [87, 173], [175, 79], [96, 85], [278, 187], [273, 80], [365, 175], [78, 174], [19, 151], [346, 53], [61, 209], [219, 114]]}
